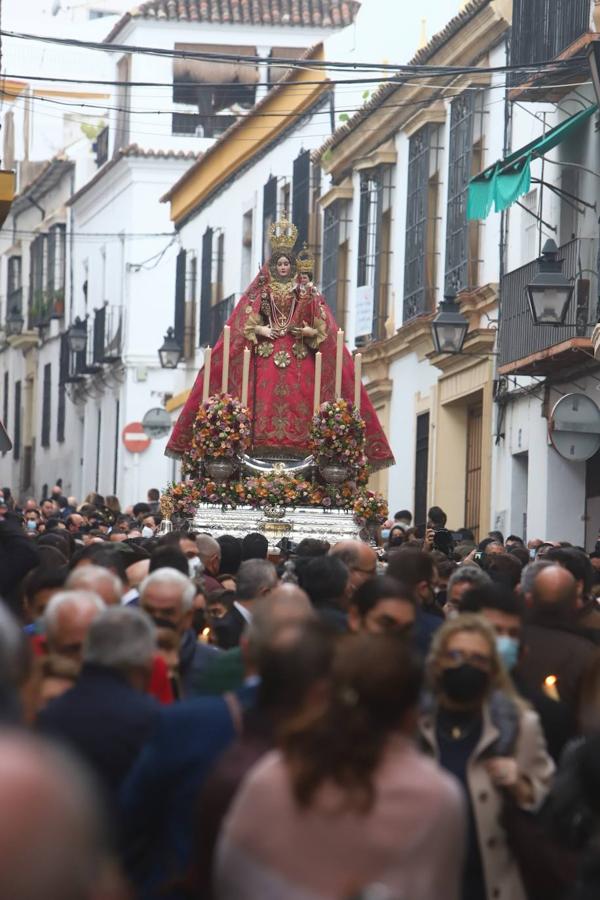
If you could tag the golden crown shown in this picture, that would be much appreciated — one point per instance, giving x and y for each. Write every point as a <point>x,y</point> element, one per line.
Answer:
<point>305,263</point>
<point>283,235</point>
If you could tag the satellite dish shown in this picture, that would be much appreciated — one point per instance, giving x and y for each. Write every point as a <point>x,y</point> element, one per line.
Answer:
<point>156,423</point>
<point>574,427</point>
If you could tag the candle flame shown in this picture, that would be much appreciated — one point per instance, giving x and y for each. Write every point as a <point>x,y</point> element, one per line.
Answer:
<point>550,680</point>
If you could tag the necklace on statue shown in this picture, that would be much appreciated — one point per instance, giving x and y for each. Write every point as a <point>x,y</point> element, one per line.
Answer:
<point>281,317</point>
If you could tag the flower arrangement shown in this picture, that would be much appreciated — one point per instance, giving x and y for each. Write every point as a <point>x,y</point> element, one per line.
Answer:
<point>370,507</point>
<point>337,434</point>
<point>182,498</point>
<point>221,429</point>
<point>276,490</point>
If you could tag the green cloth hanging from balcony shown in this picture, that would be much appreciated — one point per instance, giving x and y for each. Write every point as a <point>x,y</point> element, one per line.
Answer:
<point>502,184</point>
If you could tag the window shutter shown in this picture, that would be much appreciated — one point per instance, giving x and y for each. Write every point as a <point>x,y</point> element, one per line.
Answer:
<point>331,242</point>
<point>99,334</point>
<point>269,213</point>
<point>63,375</point>
<point>5,402</point>
<point>301,197</point>
<point>17,428</point>
<point>46,405</point>
<point>206,287</point>
<point>180,298</point>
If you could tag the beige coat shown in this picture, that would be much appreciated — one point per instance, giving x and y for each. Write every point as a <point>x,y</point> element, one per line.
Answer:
<point>502,877</point>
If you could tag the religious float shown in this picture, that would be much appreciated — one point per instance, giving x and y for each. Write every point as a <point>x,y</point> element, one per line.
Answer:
<point>278,434</point>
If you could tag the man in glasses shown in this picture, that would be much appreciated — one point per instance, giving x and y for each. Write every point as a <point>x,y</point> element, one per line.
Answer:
<point>360,558</point>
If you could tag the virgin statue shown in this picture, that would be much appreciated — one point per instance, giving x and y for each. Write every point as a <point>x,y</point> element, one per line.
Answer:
<point>284,320</point>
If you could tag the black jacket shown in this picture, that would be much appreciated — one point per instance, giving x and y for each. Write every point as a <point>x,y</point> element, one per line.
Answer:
<point>18,555</point>
<point>104,720</point>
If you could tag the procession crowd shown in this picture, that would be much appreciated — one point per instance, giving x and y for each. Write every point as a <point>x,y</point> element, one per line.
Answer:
<point>185,716</point>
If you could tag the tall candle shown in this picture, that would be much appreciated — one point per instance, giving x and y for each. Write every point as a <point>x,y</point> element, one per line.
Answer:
<point>339,356</point>
<point>245,376</point>
<point>226,339</point>
<point>317,398</point>
<point>206,382</point>
<point>357,379</point>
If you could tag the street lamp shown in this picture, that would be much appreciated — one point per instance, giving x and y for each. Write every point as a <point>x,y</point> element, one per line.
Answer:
<point>449,327</point>
<point>77,336</point>
<point>550,292</point>
<point>14,322</point>
<point>170,353</point>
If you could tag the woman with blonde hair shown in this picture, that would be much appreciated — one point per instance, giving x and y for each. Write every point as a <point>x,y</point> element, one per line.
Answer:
<point>482,732</point>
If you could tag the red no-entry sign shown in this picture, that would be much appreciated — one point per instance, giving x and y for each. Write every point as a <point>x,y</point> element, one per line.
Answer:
<point>134,438</point>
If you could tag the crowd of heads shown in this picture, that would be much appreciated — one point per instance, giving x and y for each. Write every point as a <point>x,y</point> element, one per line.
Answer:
<point>342,644</point>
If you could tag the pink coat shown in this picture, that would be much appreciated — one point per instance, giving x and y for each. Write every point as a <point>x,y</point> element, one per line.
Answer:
<point>411,841</point>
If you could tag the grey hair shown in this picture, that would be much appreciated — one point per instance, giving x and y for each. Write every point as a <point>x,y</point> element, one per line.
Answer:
<point>79,599</point>
<point>207,547</point>
<point>531,572</point>
<point>255,576</point>
<point>122,637</point>
<point>87,577</point>
<point>472,575</point>
<point>171,576</point>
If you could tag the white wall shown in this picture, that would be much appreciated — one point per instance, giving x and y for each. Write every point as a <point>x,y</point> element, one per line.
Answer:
<point>127,200</point>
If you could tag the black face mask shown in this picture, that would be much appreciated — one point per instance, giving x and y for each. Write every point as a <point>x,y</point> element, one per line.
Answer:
<point>464,683</point>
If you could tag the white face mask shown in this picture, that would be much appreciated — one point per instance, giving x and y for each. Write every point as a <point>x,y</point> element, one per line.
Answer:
<point>195,566</point>
<point>147,532</point>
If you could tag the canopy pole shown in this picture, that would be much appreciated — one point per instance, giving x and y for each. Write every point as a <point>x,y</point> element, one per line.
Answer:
<point>537,218</point>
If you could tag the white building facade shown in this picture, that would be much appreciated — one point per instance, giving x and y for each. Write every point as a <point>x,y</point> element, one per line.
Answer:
<point>121,253</point>
<point>537,491</point>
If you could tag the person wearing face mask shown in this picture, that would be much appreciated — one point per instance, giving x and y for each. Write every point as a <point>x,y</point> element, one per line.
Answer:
<point>396,537</point>
<point>482,732</point>
<point>505,613</point>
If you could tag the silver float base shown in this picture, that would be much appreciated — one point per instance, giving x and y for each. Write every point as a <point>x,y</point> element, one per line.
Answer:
<point>296,524</point>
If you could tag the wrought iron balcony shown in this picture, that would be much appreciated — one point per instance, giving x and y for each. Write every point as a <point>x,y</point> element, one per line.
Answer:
<point>541,29</point>
<point>219,313</point>
<point>107,335</point>
<point>526,348</point>
<point>14,299</point>
<point>45,305</point>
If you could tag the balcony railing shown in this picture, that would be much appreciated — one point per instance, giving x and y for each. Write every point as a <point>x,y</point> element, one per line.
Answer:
<point>107,335</point>
<point>46,305</point>
<point>14,300</point>
<point>541,29</point>
<point>518,337</point>
<point>219,314</point>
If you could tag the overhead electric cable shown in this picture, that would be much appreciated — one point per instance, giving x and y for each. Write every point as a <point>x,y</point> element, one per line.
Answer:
<point>403,70</point>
